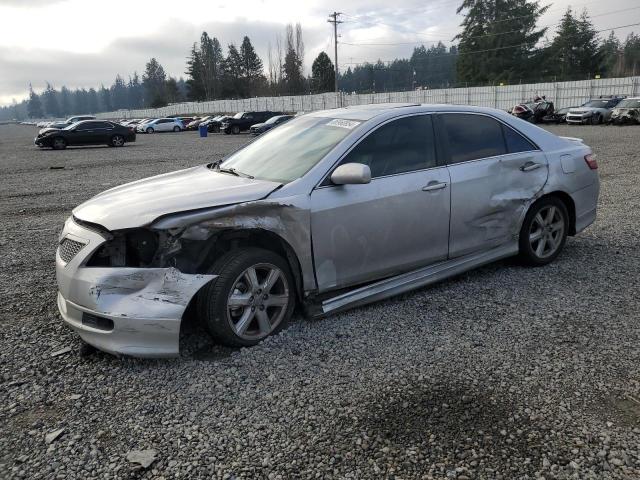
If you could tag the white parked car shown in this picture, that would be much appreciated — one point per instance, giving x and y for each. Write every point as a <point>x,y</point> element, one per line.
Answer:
<point>161,125</point>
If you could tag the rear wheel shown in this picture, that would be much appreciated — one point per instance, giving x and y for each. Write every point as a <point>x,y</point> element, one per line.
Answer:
<point>176,128</point>
<point>252,298</point>
<point>117,141</point>
<point>544,232</point>
<point>59,143</point>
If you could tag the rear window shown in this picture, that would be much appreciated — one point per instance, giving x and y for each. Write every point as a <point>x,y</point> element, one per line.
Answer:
<point>471,137</point>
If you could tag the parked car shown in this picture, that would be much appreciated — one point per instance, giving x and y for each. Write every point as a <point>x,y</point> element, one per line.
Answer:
<point>242,121</point>
<point>214,124</point>
<point>56,124</point>
<point>193,125</point>
<point>594,111</point>
<point>260,128</point>
<point>161,125</point>
<point>559,116</point>
<point>86,132</point>
<point>331,210</point>
<point>79,118</point>
<point>534,111</point>
<point>627,112</point>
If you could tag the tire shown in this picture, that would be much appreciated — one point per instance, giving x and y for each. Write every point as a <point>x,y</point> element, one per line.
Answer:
<point>176,128</point>
<point>227,131</point>
<point>117,141</point>
<point>255,317</point>
<point>542,237</point>
<point>235,130</point>
<point>596,119</point>
<point>58,143</point>
<point>150,130</point>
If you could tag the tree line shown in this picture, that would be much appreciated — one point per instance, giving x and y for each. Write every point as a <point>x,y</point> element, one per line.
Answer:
<point>500,43</point>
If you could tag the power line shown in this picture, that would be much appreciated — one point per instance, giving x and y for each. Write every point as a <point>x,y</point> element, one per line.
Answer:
<point>485,35</point>
<point>473,52</point>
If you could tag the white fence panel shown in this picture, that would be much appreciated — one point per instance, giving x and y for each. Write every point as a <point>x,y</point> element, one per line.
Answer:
<point>563,94</point>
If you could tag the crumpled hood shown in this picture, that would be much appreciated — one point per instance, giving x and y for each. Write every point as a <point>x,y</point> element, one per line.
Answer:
<point>139,203</point>
<point>46,130</point>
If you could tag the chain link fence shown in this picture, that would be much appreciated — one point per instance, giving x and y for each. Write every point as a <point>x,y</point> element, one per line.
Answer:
<point>563,94</point>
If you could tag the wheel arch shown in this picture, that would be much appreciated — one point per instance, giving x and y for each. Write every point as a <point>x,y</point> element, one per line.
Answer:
<point>568,202</point>
<point>230,239</point>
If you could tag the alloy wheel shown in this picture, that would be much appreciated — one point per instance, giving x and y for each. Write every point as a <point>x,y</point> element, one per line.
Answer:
<point>258,301</point>
<point>547,231</point>
<point>117,141</point>
<point>59,143</point>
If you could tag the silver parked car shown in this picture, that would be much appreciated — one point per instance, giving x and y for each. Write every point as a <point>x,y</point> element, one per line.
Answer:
<point>595,111</point>
<point>331,210</point>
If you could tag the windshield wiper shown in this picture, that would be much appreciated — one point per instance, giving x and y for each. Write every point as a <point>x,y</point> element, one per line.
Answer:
<point>216,166</point>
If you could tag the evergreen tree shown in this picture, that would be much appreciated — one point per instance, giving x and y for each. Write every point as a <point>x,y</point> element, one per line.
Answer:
<point>66,106</point>
<point>51,106</point>
<point>105,100</point>
<point>195,74</point>
<point>80,101</point>
<point>92,101</point>
<point>172,93</point>
<point>34,107</point>
<point>631,55</point>
<point>252,69</point>
<point>233,73</point>
<point>574,53</point>
<point>498,40</point>
<point>610,54</point>
<point>154,80</point>
<point>134,92</point>
<point>292,67</point>
<point>119,94</point>
<point>322,74</point>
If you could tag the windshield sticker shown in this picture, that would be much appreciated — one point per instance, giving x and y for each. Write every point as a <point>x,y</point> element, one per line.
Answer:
<point>349,124</point>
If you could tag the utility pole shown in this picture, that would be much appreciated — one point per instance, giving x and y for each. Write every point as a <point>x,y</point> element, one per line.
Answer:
<point>333,18</point>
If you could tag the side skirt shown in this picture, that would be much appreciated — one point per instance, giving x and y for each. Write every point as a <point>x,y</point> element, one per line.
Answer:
<point>418,278</point>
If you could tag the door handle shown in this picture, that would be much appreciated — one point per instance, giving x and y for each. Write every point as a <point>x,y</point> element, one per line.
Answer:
<point>431,186</point>
<point>527,167</point>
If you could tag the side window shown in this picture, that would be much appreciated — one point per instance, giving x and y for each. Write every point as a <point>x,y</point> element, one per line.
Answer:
<point>402,145</point>
<point>471,137</point>
<point>102,125</point>
<point>516,142</point>
<point>86,126</point>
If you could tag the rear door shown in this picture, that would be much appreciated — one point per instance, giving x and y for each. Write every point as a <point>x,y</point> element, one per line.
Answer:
<point>397,222</point>
<point>495,174</point>
<point>84,134</point>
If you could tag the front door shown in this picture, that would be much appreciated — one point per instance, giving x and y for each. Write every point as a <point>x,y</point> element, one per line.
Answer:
<point>396,223</point>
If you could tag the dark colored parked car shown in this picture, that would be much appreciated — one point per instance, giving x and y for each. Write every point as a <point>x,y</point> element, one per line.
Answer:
<point>558,116</point>
<point>242,121</point>
<point>214,124</point>
<point>88,132</point>
<point>259,128</point>
<point>533,112</point>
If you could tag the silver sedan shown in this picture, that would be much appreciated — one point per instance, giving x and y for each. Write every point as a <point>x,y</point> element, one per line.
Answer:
<point>331,210</point>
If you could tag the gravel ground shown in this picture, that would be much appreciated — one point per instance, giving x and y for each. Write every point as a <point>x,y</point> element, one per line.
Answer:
<point>502,373</point>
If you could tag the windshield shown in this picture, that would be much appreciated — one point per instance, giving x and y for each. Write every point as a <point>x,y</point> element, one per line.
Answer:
<point>629,103</point>
<point>596,103</point>
<point>288,152</point>
<point>238,115</point>
<point>73,125</point>
<point>273,119</point>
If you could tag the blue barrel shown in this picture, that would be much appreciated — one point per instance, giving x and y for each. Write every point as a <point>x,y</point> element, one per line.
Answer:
<point>203,130</point>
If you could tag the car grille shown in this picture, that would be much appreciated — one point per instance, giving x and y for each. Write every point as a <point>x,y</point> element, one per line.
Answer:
<point>69,248</point>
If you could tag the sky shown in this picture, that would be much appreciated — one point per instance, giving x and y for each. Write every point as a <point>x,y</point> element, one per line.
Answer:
<point>85,43</point>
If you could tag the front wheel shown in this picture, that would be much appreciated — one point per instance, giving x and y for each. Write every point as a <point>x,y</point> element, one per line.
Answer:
<point>544,232</point>
<point>235,129</point>
<point>596,119</point>
<point>117,141</point>
<point>59,143</point>
<point>252,298</point>
<point>150,130</point>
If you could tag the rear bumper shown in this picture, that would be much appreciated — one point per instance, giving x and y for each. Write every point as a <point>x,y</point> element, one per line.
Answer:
<point>142,307</point>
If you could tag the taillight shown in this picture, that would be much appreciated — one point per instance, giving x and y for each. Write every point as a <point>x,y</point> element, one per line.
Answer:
<point>591,161</point>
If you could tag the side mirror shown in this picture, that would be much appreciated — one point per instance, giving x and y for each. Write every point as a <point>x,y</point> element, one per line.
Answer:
<point>351,174</point>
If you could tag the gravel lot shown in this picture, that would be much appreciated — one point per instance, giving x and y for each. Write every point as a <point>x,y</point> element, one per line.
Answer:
<point>502,373</point>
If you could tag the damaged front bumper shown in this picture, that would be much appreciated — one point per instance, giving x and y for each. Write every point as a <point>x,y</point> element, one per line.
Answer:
<point>130,311</point>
